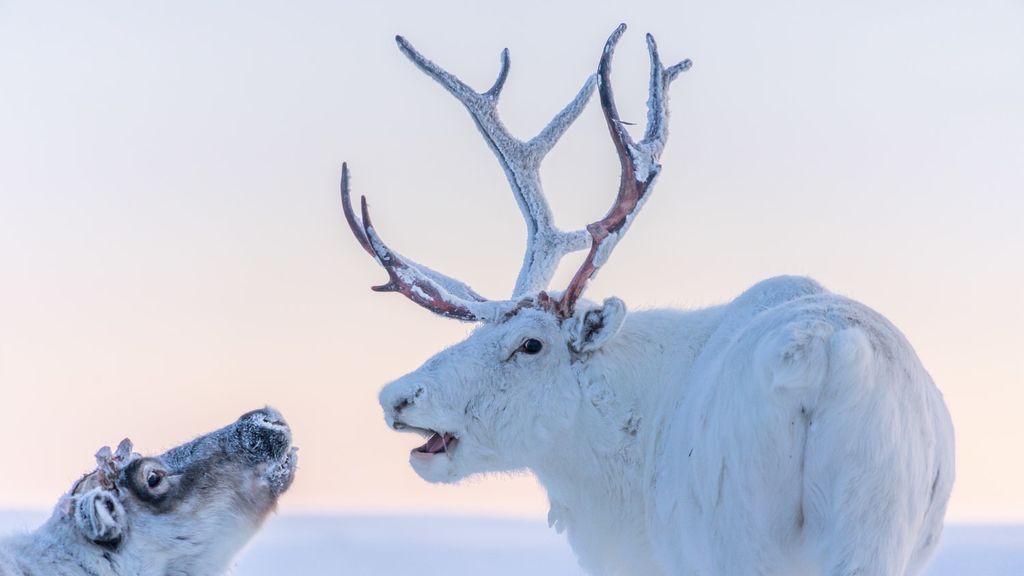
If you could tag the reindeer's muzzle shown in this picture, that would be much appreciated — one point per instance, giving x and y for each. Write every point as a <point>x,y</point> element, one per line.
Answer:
<point>263,435</point>
<point>266,441</point>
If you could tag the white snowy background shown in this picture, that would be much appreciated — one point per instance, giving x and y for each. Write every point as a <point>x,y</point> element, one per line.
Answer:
<point>172,251</point>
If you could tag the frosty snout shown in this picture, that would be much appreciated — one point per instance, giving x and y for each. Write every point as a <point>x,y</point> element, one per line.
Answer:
<point>263,435</point>
<point>398,399</point>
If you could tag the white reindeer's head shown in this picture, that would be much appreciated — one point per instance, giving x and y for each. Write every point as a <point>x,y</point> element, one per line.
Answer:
<point>190,509</point>
<point>495,401</point>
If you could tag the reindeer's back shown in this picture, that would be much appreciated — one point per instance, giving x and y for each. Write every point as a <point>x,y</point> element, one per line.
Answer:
<point>807,421</point>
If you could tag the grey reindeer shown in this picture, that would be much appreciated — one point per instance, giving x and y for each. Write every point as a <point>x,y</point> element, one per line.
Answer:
<point>187,511</point>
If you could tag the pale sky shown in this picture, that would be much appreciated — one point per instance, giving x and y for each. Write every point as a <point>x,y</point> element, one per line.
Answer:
<point>173,253</point>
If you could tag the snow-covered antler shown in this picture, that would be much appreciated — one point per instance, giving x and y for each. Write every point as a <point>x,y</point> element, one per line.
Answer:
<point>545,243</point>
<point>639,160</point>
<point>521,160</point>
<point>434,291</point>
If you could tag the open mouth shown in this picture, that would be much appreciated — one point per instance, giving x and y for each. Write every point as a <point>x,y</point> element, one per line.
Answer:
<point>438,443</point>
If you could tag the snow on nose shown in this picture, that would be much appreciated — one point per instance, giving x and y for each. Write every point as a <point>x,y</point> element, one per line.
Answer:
<point>397,398</point>
<point>264,434</point>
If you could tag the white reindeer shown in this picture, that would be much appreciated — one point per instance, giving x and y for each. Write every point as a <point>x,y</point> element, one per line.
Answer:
<point>186,512</point>
<point>790,431</point>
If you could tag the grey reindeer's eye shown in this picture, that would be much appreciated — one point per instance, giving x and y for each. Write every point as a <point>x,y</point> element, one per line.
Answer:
<point>531,346</point>
<point>150,479</point>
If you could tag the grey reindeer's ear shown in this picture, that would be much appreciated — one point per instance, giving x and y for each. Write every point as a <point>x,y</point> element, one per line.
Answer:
<point>591,328</point>
<point>100,517</point>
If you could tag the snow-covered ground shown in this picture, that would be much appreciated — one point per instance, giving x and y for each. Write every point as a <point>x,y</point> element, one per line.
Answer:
<point>390,545</point>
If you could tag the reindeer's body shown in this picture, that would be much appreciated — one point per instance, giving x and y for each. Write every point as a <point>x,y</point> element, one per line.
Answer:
<point>790,432</point>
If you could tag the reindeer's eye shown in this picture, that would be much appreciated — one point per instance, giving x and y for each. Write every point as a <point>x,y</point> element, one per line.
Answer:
<point>531,346</point>
<point>150,481</point>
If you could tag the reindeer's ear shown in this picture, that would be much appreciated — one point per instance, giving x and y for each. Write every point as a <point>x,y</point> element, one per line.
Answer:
<point>100,517</point>
<point>591,328</point>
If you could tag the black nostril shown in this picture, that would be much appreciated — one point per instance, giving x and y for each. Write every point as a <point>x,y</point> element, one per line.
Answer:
<point>399,425</point>
<point>402,405</point>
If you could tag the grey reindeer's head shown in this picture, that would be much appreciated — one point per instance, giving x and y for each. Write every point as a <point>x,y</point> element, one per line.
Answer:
<point>193,506</point>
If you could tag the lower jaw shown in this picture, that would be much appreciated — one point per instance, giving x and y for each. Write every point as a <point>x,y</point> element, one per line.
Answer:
<point>434,468</point>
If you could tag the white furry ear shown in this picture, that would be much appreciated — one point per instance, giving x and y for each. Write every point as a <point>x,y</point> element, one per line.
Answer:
<point>100,516</point>
<point>590,329</point>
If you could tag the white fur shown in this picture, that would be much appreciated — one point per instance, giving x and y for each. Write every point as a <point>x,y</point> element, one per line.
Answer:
<point>791,431</point>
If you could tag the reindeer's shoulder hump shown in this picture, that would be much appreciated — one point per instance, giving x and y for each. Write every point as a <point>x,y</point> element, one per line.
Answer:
<point>761,297</point>
<point>774,291</point>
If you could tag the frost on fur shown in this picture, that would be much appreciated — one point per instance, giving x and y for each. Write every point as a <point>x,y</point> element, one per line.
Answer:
<point>546,244</point>
<point>791,431</point>
<point>186,511</point>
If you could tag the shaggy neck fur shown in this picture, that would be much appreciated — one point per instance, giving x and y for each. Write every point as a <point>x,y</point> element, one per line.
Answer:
<point>595,475</point>
<point>57,548</point>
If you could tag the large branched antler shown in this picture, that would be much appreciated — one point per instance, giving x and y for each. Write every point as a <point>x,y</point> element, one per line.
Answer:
<point>546,243</point>
<point>639,161</point>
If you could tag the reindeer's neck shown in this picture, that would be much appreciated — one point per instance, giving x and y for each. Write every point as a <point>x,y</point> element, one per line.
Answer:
<point>594,475</point>
<point>54,548</point>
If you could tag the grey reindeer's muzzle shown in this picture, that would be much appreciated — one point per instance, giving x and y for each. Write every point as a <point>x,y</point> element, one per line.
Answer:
<point>259,439</point>
<point>263,435</point>
<point>265,438</point>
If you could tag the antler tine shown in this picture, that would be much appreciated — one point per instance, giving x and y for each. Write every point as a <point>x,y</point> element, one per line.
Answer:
<point>350,216</point>
<point>639,161</point>
<point>546,244</point>
<point>434,291</point>
<point>657,104</point>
